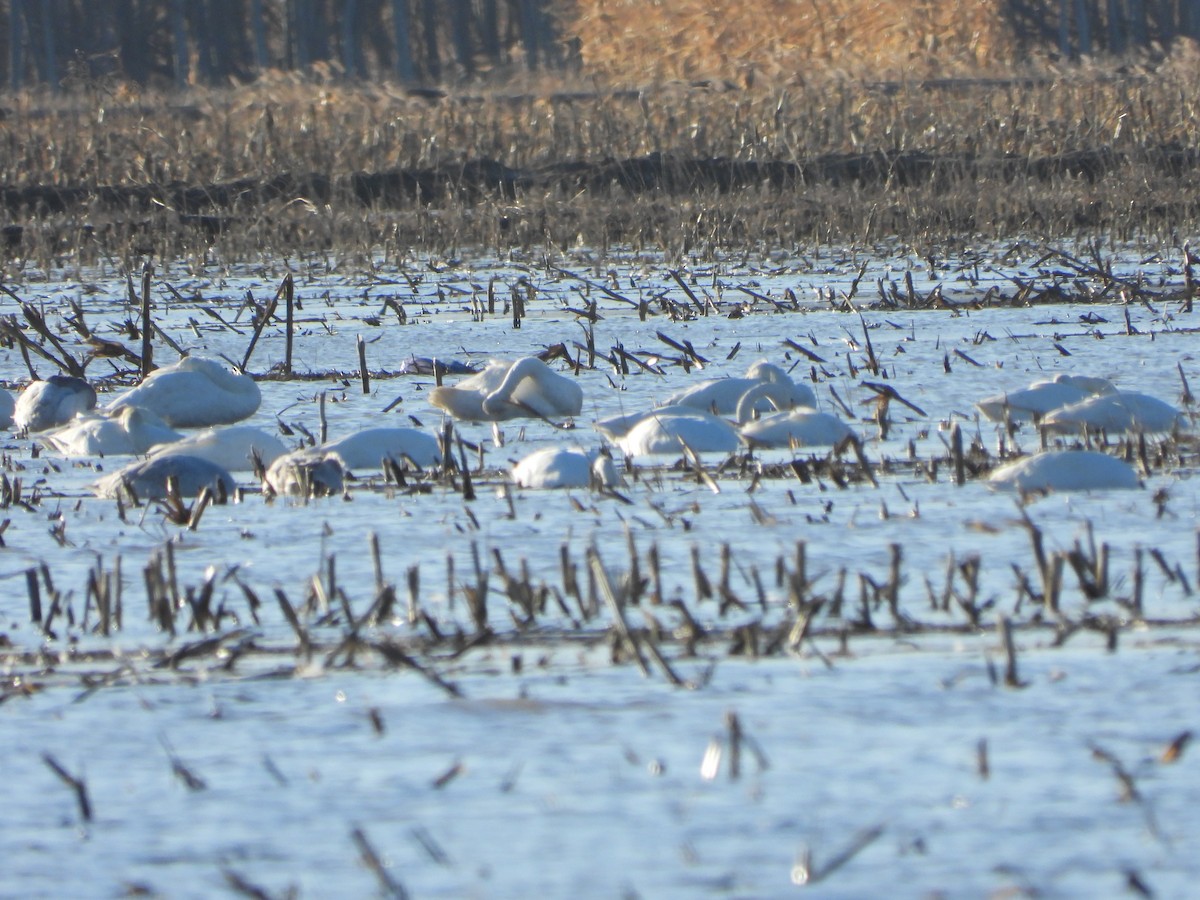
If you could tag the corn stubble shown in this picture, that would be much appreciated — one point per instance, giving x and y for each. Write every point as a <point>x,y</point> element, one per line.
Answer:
<point>791,145</point>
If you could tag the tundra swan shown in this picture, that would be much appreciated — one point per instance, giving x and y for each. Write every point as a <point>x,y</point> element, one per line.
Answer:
<point>130,431</point>
<point>791,426</point>
<point>659,433</point>
<point>55,401</point>
<point>1042,397</point>
<point>147,478</point>
<point>798,427</point>
<point>367,449</point>
<point>193,393</point>
<point>308,473</point>
<point>616,427</point>
<point>771,394</point>
<point>721,395</point>
<point>1064,470</point>
<point>1122,411</point>
<point>231,447</point>
<point>565,467</point>
<point>527,388</point>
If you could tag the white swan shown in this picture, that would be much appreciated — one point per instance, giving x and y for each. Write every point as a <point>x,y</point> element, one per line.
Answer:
<point>307,473</point>
<point>760,395</point>
<point>130,431</point>
<point>1064,470</point>
<point>1042,397</point>
<point>616,427</point>
<point>799,427</point>
<point>231,447</point>
<point>721,395</point>
<point>565,467</point>
<point>55,401</point>
<point>659,433</point>
<point>7,406</point>
<point>367,449</point>
<point>527,388</point>
<point>147,478</point>
<point>1122,411</point>
<point>193,393</point>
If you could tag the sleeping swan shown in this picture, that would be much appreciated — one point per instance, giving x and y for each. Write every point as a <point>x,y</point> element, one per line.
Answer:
<point>1064,470</point>
<point>565,467</point>
<point>722,395</point>
<point>527,388</point>
<point>55,401</point>
<point>1042,397</point>
<point>193,393</point>
<point>130,431</point>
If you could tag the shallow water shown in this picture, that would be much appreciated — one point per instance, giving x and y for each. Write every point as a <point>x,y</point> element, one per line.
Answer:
<point>606,791</point>
<point>583,778</point>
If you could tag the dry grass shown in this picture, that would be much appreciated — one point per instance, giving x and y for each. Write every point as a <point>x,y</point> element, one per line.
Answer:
<point>780,41</point>
<point>101,135</point>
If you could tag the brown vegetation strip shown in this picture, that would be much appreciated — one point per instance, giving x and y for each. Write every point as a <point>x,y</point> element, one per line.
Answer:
<point>652,172</point>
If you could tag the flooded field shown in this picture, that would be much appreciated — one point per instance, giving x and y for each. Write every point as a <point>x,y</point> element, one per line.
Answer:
<point>731,673</point>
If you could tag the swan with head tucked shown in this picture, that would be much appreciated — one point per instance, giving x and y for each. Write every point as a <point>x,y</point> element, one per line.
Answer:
<point>305,473</point>
<point>1064,470</point>
<point>55,401</point>
<point>232,447</point>
<point>565,467</point>
<point>147,478</point>
<point>1042,397</point>
<point>721,395</point>
<point>527,388</point>
<point>798,426</point>
<point>130,431</point>
<point>616,427</point>
<point>760,395</point>
<point>193,393</point>
<point>1122,411</point>
<point>368,448</point>
<point>659,433</point>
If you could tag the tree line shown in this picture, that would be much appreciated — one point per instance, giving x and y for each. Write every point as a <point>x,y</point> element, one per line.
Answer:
<point>183,42</point>
<point>1083,28</point>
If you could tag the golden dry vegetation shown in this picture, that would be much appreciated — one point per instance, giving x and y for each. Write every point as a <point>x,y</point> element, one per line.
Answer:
<point>844,155</point>
<point>628,41</point>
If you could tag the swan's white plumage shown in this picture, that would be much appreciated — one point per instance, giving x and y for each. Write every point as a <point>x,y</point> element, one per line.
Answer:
<point>616,427</point>
<point>1042,397</point>
<point>721,395</point>
<point>1122,411</point>
<point>130,431</point>
<point>52,402</point>
<point>565,467</point>
<point>368,448</point>
<point>799,427</point>
<point>1065,470</point>
<point>700,432</point>
<point>526,388</point>
<point>148,477</point>
<point>193,393</point>
<point>232,447</point>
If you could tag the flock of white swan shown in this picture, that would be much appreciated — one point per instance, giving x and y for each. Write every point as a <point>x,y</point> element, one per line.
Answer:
<point>765,409</point>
